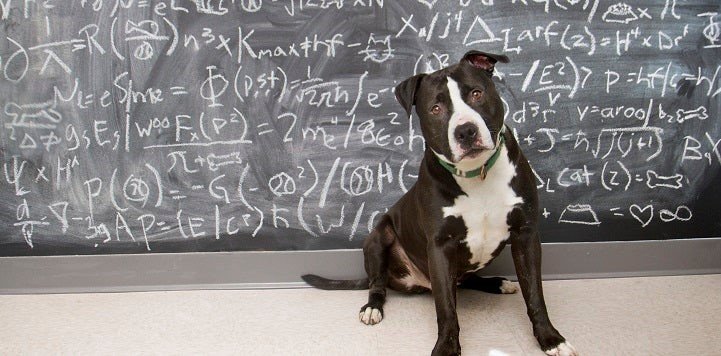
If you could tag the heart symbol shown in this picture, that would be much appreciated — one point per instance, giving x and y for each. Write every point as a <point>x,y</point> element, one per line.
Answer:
<point>639,215</point>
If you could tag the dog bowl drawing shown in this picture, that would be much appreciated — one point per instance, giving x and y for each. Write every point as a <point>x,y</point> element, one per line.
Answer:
<point>579,214</point>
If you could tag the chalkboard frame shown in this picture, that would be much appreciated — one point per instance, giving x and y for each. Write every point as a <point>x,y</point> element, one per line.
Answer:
<point>273,269</point>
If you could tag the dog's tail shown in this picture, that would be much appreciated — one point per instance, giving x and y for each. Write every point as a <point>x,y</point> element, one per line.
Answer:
<point>335,284</point>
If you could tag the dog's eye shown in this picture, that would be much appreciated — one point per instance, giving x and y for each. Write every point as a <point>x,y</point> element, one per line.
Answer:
<point>476,95</point>
<point>435,110</point>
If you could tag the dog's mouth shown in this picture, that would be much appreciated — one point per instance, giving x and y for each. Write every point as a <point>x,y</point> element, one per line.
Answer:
<point>473,152</point>
<point>478,147</point>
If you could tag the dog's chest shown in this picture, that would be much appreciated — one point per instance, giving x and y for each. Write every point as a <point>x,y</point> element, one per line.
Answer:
<point>484,209</point>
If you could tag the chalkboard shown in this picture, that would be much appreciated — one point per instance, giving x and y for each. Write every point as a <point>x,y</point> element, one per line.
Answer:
<point>140,126</point>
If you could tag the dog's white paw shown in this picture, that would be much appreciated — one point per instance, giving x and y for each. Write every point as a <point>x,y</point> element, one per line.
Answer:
<point>563,349</point>
<point>507,287</point>
<point>371,316</point>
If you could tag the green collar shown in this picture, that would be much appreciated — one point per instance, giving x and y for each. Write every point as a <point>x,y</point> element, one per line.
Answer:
<point>482,170</point>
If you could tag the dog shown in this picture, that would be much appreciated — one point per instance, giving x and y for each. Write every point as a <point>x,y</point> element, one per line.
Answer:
<point>475,192</point>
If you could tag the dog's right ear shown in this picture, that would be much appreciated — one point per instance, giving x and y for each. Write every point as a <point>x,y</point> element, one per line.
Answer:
<point>483,60</point>
<point>406,92</point>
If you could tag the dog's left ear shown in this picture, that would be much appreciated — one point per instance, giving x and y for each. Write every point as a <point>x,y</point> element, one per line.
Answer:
<point>406,92</point>
<point>483,60</point>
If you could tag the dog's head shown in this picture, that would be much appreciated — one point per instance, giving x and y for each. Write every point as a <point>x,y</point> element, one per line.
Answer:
<point>460,111</point>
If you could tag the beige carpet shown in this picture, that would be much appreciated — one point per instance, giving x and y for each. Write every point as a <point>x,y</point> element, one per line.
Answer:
<point>631,316</point>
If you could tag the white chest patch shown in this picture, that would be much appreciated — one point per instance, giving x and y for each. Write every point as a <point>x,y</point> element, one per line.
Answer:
<point>485,208</point>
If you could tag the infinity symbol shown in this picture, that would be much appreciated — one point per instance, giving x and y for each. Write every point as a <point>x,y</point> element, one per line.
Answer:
<point>667,216</point>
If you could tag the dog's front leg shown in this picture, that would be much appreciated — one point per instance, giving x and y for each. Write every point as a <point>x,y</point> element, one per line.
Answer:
<point>526,250</point>
<point>442,265</point>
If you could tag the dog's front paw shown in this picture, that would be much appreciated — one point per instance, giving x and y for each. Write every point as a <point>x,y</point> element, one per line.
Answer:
<point>370,315</point>
<point>447,347</point>
<point>563,349</point>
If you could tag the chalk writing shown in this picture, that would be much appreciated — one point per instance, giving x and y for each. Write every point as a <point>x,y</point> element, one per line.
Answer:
<point>167,125</point>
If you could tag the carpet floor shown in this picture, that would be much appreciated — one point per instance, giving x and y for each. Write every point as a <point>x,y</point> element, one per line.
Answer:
<point>624,316</point>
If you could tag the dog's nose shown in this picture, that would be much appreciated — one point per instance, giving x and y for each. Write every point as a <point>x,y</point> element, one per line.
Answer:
<point>466,133</point>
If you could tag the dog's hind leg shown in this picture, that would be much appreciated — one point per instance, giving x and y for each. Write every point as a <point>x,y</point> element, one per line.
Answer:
<point>495,285</point>
<point>375,253</point>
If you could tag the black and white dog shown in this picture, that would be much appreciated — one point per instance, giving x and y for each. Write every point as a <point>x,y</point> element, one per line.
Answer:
<point>475,192</point>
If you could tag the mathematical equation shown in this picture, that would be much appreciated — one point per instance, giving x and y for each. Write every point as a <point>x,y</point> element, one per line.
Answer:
<point>130,124</point>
